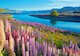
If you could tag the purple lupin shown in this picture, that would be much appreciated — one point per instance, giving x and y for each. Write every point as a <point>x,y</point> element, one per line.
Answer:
<point>32,45</point>
<point>49,50</point>
<point>44,49</point>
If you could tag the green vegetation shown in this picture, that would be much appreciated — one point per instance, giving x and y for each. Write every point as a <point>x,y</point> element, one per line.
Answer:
<point>54,13</point>
<point>3,10</point>
<point>6,16</point>
<point>59,38</point>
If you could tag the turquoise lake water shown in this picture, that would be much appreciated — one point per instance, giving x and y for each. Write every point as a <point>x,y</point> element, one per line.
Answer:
<point>70,26</point>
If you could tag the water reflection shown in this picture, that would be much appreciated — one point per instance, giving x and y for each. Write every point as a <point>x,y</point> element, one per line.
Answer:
<point>53,20</point>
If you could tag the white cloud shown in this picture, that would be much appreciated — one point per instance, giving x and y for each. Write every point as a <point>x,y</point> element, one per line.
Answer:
<point>63,3</point>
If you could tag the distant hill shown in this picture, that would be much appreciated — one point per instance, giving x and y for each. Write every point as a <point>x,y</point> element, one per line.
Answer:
<point>64,9</point>
<point>67,9</point>
<point>27,12</point>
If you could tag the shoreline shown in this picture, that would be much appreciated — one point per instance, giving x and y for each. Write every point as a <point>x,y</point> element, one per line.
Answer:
<point>43,25</point>
<point>52,29</point>
<point>59,18</point>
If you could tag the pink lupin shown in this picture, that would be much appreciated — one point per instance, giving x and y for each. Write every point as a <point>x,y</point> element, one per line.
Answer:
<point>7,29</point>
<point>8,25</point>
<point>18,43</point>
<point>24,34</point>
<point>10,38</point>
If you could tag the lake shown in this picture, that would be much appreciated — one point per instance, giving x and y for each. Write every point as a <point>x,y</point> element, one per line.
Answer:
<point>70,26</point>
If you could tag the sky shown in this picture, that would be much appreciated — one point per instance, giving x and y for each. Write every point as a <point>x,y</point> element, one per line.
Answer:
<point>37,4</point>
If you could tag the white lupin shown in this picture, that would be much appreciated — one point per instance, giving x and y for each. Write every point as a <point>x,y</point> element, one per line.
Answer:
<point>2,35</point>
<point>6,44</point>
<point>27,53</point>
<point>27,43</point>
<point>11,43</point>
<point>23,47</point>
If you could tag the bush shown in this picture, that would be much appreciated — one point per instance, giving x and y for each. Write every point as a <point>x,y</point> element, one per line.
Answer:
<point>54,13</point>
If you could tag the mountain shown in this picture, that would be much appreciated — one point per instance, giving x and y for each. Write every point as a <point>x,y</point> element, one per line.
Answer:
<point>64,9</point>
<point>67,9</point>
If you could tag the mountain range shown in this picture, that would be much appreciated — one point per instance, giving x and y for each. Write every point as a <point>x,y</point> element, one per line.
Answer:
<point>68,9</point>
<point>64,9</point>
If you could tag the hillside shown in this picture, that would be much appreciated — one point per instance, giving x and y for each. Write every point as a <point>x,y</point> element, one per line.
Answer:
<point>27,36</point>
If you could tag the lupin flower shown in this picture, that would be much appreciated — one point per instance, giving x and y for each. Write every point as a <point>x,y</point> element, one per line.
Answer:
<point>7,29</point>
<point>76,48</point>
<point>6,44</point>
<point>38,35</point>
<point>11,43</point>
<point>30,50</point>
<point>32,47</point>
<point>23,47</point>
<point>27,44</point>
<point>45,49</point>
<point>49,50</point>
<point>24,34</point>
<point>18,44</point>
<point>16,36</point>
<point>2,35</point>
<point>54,49</point>
<point>8,26</point>
<point>11,53</point>
<point>10,38</point>
<point>64,49</point>
<point>34,51</point>
<point>27,53</point>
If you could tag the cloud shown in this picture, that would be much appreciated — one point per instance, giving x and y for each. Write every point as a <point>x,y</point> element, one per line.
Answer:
<point>63,3</point>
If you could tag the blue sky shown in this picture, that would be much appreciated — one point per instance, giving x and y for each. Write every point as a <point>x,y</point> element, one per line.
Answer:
<point>37,4</point>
